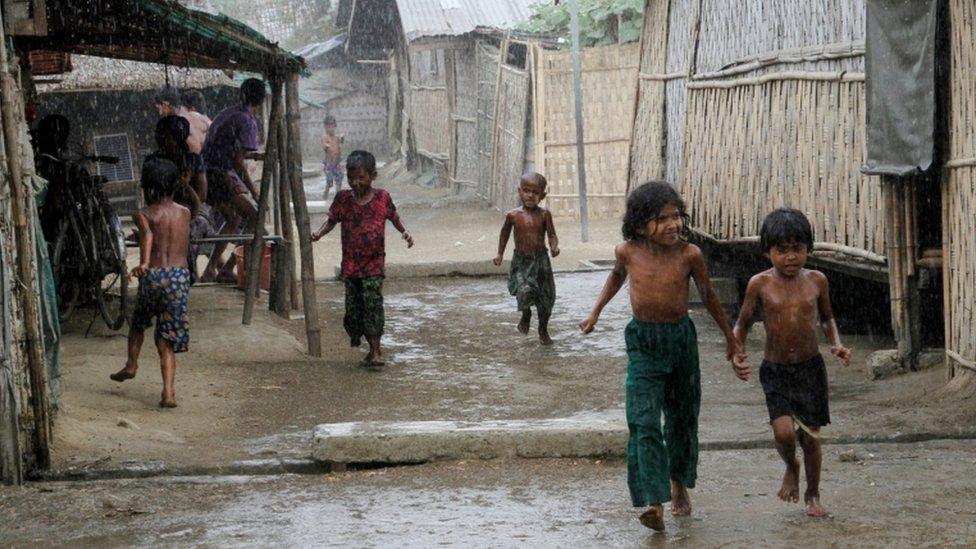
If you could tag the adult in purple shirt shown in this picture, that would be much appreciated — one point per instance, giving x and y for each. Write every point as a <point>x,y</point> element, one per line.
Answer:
<point>233,137</point>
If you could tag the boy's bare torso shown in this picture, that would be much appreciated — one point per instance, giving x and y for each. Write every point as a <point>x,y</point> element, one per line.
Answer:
<point>791,311</point>
<point>170,226</point>
<point>659,280</point>
<point>332,146</point>
<point>531,226</point>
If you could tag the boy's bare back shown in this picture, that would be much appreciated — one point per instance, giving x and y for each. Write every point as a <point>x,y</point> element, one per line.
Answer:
<point>659,278</point>
<point>793,307</point>
<point>169,225</point>
<point>531,225</point>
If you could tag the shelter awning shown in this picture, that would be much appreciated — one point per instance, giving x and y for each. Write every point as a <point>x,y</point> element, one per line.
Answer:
<point>159,31</point>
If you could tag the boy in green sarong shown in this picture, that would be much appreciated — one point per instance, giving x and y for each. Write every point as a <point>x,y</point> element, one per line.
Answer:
<point>662,349</point>
<point>530,279</point>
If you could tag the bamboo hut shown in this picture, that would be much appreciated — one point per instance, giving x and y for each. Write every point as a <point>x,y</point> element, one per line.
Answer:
<point>749,109</point>
<point>155,31</point>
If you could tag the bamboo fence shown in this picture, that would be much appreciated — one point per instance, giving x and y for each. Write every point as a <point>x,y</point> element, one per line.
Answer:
<point>464,117</point>
<point>487,58</point>
<point>429,107</point>
<point>509,134</point>
<point>959,194</point>
<point>609,82</point>
<point>757,107</point>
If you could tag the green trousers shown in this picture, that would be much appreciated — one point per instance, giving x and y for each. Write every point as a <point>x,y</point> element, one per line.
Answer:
<point>531,281</point>
<point>662,376</point>
<point>364,308</point>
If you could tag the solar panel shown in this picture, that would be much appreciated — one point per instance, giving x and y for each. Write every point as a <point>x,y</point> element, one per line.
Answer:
<point>117,145</point>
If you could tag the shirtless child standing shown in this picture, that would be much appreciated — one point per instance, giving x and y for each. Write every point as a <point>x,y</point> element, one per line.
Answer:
<point>530,279</point>
<point>332,148</point>
<point>164,279</point>
<point>794,300</point>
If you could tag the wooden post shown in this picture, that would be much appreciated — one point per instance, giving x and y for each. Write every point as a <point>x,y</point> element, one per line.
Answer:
<point>11,457</point>
<point>256,257</point>
<point>26,265</point>
<point>578,99</point>
<point>287,227</point>
<point>284,265</point>
<point>293,119</point>
<point>450,81</point>
<point>902,284</point>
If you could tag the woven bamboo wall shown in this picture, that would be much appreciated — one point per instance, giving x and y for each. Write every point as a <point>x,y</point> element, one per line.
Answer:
<point>487,58</point>
<point>609,96</point>
<point>959,192</point>
<point>751,148</point>
<point>465,117</point>
<point>763,106</point>
<point>511,116</point>
<point>427,95</point>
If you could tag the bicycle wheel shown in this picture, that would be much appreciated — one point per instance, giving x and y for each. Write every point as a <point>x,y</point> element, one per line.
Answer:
<point>70,264</point>
<point>111,288</point>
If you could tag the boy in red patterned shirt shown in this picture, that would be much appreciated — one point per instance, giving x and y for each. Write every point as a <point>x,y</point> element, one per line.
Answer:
<point>362,212</point>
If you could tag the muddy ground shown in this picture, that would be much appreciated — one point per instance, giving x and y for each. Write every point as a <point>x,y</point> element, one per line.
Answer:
<point>916,495</point>
<point>453,353</point>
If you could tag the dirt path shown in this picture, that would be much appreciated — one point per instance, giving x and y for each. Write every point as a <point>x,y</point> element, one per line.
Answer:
<point>882,496</point>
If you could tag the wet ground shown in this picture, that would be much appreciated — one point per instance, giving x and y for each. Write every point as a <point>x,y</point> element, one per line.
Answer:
<point>880,496</point>
<point>453,354</point>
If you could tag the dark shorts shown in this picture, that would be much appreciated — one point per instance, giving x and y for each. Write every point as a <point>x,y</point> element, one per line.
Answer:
<point>163,296</point>
<point>798,390</point>
<point>223,186</point>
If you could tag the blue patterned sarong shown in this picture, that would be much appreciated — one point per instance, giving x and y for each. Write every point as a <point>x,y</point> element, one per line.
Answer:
<point>163,295</point>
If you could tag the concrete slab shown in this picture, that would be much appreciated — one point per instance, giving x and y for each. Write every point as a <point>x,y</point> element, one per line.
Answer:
<point>422,441</point>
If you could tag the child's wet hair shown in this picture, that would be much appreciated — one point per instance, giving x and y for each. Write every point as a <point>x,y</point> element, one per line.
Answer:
<point>173,126</point>
<point>646,202</point>
<point>329,120</point>
<point>785,226</point>
<point>253,91</point>
<point>195,99</point>
<point>361,160</point>
<point>537,178</point>
<point>160,178</point>
<point>168,95</point>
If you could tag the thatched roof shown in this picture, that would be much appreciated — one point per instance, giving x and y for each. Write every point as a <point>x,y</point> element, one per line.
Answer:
<point>101,73</point>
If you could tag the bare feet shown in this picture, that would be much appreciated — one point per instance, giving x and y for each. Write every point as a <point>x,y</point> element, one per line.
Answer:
<point>544,336</point>
<point>128,372</point>
<point>374,359</point>
<point>167,401</point>
<point>680,501</point>
<point>790,491</point>
<point>653,518</point>
<point>814,508</point>
<point>523,325</point>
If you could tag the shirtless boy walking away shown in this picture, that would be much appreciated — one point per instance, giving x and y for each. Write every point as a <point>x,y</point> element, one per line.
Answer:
<point>530,278</point>
<point>164,279</point>
<point>332,148</point>
<point>362,213</point>
<point>793,376</point>
<point>662,349</point>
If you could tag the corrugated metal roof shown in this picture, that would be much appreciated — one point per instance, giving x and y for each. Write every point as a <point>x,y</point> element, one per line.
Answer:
<point>428,18</point>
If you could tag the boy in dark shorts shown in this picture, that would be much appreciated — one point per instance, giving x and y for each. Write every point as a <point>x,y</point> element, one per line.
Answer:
<point>362,212</point>
<point>794,301</point>
<point>530,278</point>
<point>663,374</point>
<point>332,149</point>
<point>164,279</point>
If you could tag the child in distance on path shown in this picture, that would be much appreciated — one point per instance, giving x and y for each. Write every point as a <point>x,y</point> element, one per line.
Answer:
<point>793,375</point>
<point>530,278</point>
<point>332,149</point>
<point>662,348</point>
<point>362,212</point>
<point>164,279</point>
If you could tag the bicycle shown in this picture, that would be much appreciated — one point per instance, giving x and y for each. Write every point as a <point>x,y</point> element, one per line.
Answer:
<point>89,252</point>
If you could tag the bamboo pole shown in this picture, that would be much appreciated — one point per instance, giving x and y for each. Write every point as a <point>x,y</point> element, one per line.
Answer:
<point>256,257</point>
<point>287,225</point>
<point>293,119</point>
<point>26,266</point>
<point>284,265</point>
<point>11,459</point>
<point>451,85</point>
<point>578,102</point>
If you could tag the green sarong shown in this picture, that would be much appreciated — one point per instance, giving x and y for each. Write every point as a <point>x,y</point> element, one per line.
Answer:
<point>364,308</point>
<point>530,280</point>
<point>662,376</point>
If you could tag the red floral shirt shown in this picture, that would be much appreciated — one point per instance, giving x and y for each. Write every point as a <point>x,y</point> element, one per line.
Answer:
<point>363,232</point>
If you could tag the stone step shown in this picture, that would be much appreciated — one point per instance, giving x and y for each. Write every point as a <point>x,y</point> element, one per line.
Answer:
<point>422,441</point>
